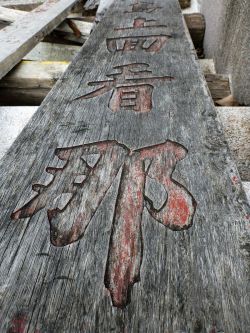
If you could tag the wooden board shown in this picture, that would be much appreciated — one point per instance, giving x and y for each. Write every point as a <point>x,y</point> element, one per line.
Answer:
<point>21,36</point>
<point>21,4</point>
<point>121,208</point>
<point>219,85</point>
<point>52,52</point>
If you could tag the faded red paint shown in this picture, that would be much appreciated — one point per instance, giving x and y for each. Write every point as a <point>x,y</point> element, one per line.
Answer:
<point>235,180</point>
<point>137,99</point>
<point>139,23</point>
<point>125,252</point>
<point>19,324</point>
<point>150,43</point>
<point>213,330</point>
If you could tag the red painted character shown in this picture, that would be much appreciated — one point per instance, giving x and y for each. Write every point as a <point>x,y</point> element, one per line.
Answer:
<point>142,40</point>
<point>85,179</point>
<point>132,88</point>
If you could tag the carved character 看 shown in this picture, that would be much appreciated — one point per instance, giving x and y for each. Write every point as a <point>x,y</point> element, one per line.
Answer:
<point>81,185</point>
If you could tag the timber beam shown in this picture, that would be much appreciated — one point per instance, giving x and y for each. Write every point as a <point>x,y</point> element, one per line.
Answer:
<point>121,207</point>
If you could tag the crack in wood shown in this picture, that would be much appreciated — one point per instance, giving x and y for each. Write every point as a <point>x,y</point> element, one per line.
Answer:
<point>125,255</point>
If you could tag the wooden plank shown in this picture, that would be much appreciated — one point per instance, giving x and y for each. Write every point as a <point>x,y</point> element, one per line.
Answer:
<point>82,24</point>
<point>30,82</point>
<point>73,28</point>
<point>10,15</point>
<point>35,74</point>
<point>236,125</point>
<point>53,52</point>
<point>126,146</point>
<point>21,4</point>
<point>21,36</point>
<point>196,25</point>
<point>218,85</point>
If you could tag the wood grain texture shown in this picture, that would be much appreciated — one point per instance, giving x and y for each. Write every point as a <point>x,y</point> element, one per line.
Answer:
<point>193,279</point>
<point>21,36</point>
<point>9,15</point>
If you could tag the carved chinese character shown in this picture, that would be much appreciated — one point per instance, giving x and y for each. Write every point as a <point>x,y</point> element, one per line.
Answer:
<point>146,42</point>
<point>77,190</point>
<point>140,6</point>
<point>141,22</point>
<point>132,88</point>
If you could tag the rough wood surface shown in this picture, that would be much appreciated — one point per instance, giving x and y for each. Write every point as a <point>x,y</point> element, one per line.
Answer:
<point>236,125</point>
<point>21,4</point>
<point>9,15</point>
<point>121,208</point>
<point>21,36</point>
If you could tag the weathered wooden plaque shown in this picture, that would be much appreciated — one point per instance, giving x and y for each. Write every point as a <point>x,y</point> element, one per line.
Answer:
<point>121,209</point>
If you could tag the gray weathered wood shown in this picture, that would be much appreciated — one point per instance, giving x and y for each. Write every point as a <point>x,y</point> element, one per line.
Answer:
<point>52,52</point>
<point>21,36</point>
<point>21,4</point>
<point>74,28</point>
<point>188,275</point>
<point>10,15</point>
